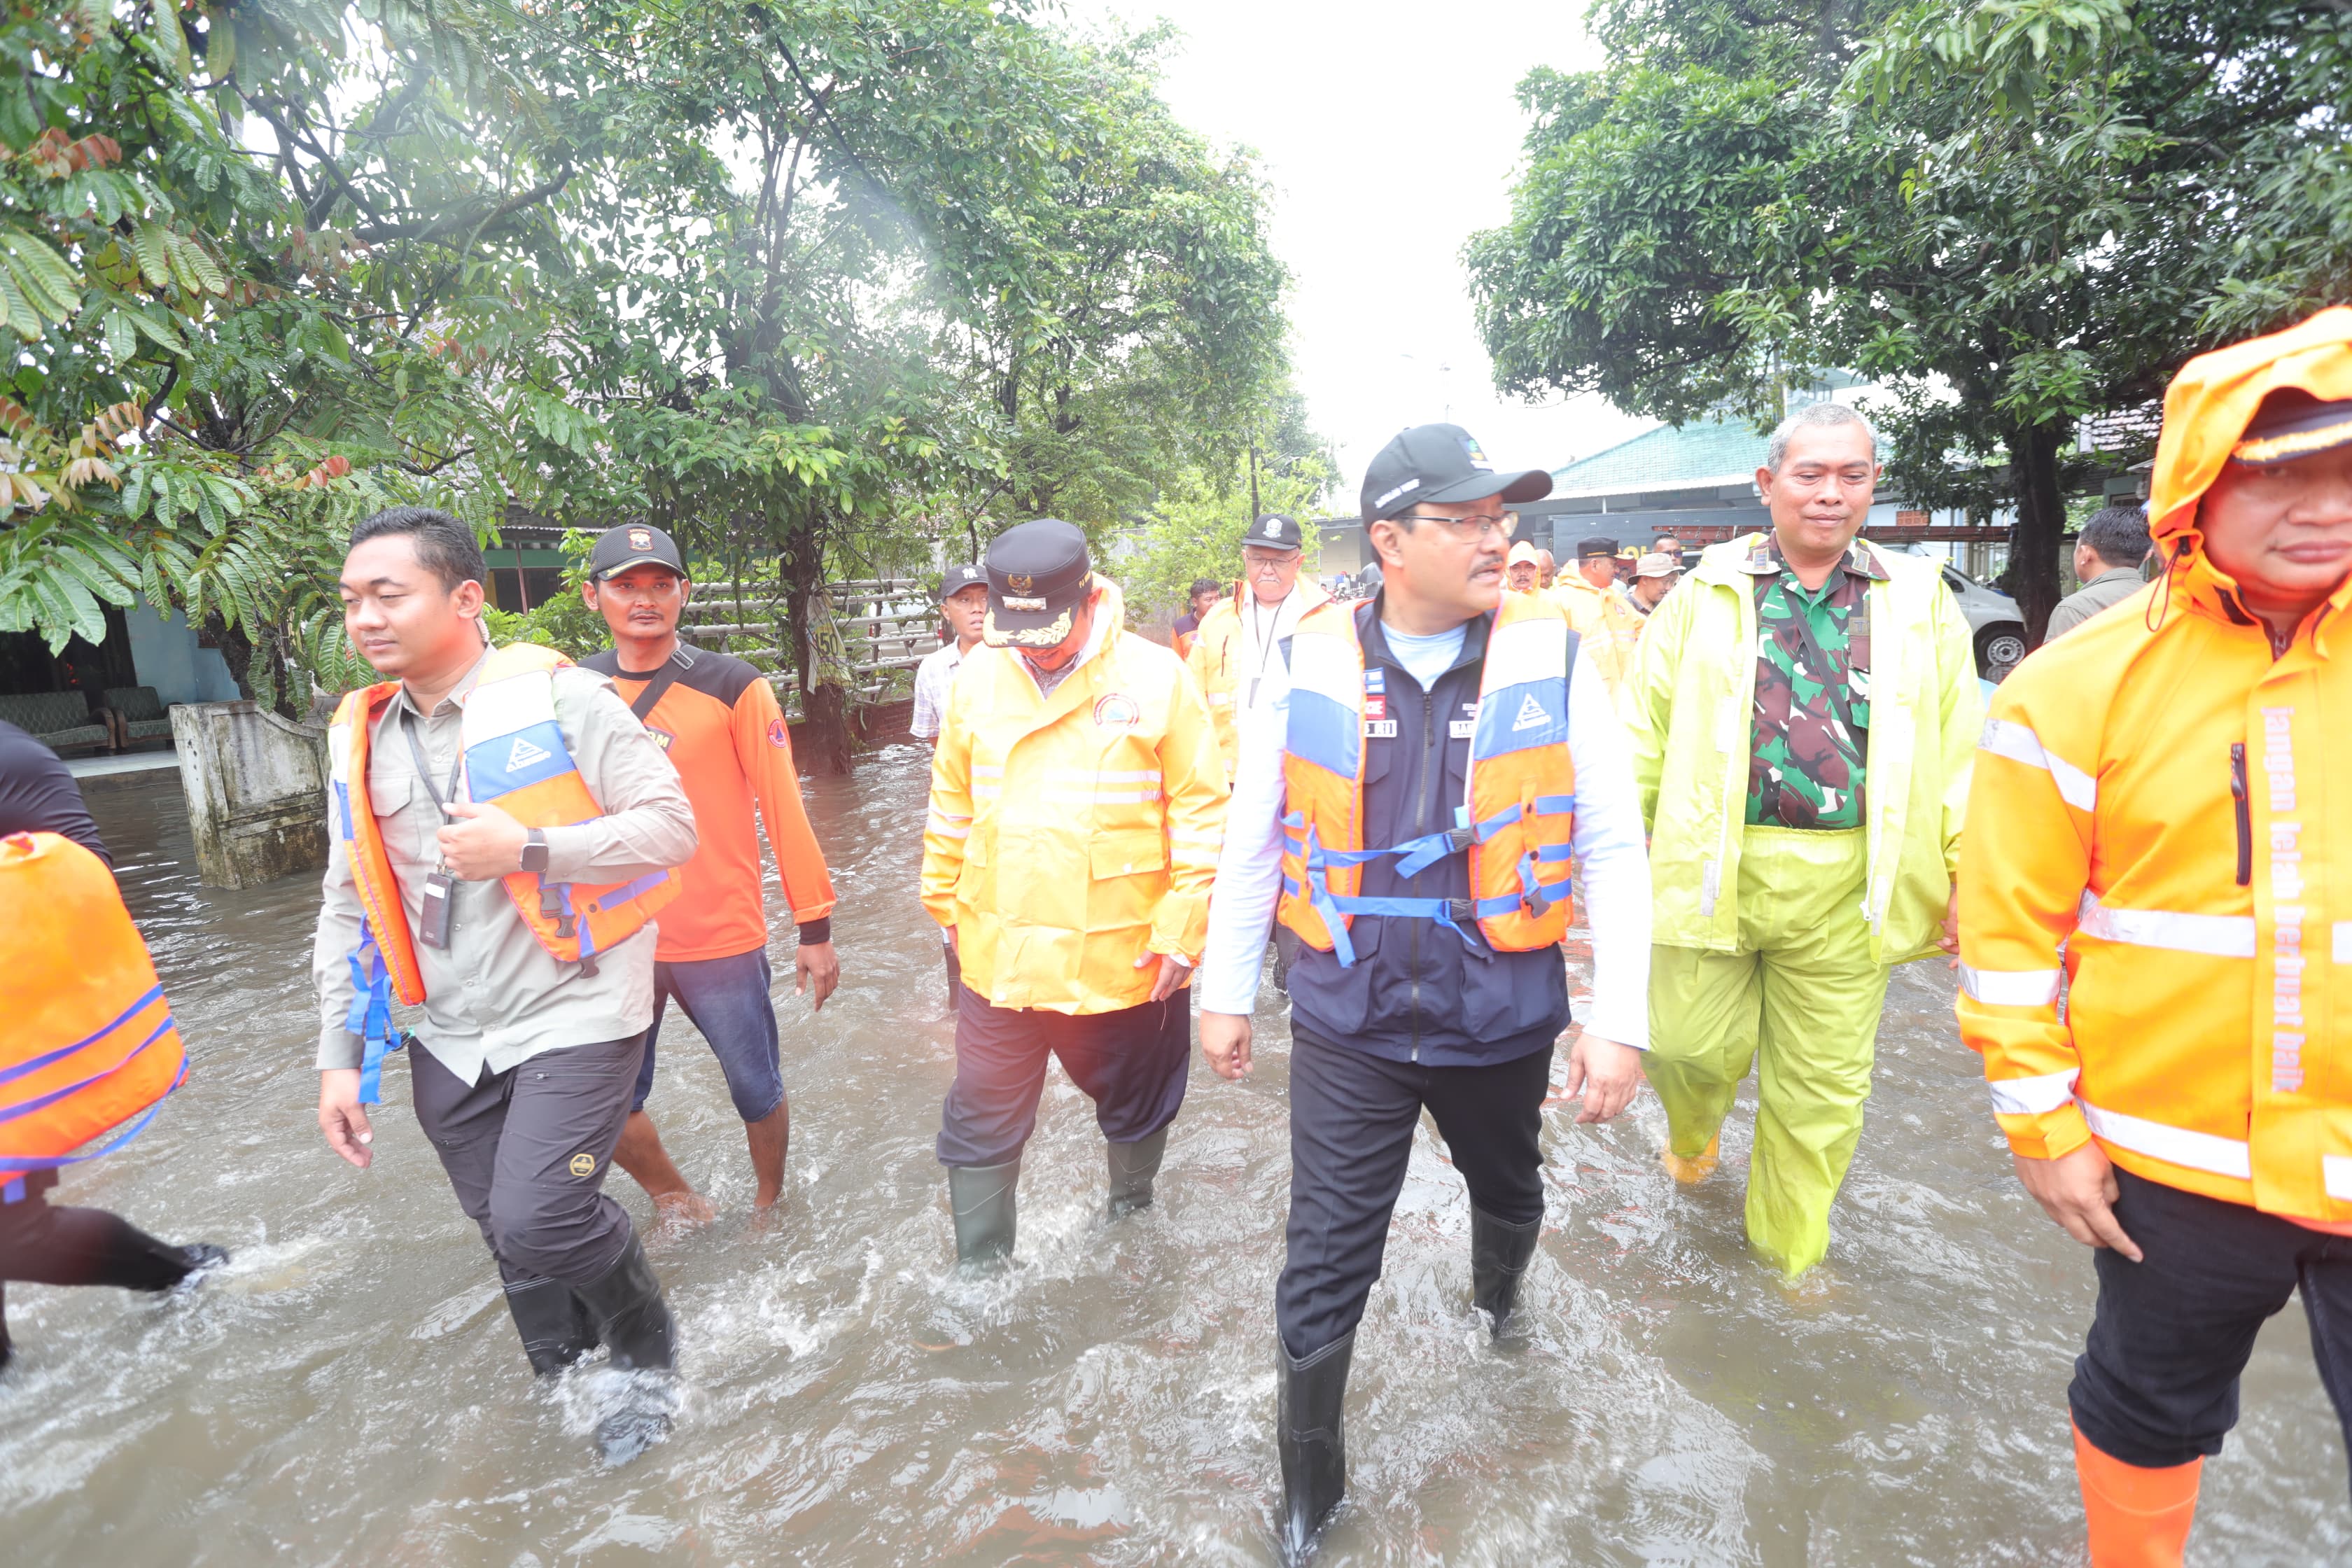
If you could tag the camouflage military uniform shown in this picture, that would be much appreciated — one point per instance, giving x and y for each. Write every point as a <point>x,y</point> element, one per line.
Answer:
<point>1810,731</point>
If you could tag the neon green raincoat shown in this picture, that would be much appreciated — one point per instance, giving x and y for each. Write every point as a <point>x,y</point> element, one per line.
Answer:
<point>1776,943</point>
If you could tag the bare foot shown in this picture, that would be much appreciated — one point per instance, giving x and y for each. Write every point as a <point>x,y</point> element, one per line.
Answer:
<point>683,1210</point>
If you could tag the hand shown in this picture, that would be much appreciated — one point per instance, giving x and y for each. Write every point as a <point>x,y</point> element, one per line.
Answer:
<point>1606,1072</point>
<point>1173,972</point>
<point>343,1117</point>
<point>813,965</point>
<point>1951,941</point>
<point>2079,1192</point>
<point>1226,1044</point>
<point>484,845</point>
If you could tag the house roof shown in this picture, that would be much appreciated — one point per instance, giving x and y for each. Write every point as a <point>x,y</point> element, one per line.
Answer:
<point>1704,451</point>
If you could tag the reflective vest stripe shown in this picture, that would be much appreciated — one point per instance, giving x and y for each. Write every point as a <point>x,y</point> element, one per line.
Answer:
<point>2032,1096</point>
<point>2219,936</point>
<point>2335,1175</point>
<point>2008,738</point>
<point>2174,1145</point>
<point>2342,930</point>
<point>2012,987</point>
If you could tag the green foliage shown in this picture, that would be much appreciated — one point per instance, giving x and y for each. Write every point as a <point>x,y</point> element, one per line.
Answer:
<point>1193,528</point>
<point>2012,213</point>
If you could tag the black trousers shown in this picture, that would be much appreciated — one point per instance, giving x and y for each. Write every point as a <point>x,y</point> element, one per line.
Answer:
<point>44,1244</point>
<point>955,975</point>
<point>1351,1120</point>
<point>1132,1063</point>
<point>527,1150</point>
<point>2156,1384</point>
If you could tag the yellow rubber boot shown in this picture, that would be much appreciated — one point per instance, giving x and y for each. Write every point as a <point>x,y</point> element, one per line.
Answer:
<point>2138,1518</point>
<point>1690,1172</point>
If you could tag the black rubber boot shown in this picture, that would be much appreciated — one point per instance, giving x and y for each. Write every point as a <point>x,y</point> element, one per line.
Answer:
<point>1498,1256</point>
<point>1133,1167</point>
<point>625,1304</point>
<point>982,1199</point>
<point>203,1257</point>
<point>1310,1433</point>
<point>553,1322</point>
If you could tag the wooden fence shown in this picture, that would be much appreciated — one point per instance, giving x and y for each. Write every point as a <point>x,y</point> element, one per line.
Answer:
<point>871,628</point>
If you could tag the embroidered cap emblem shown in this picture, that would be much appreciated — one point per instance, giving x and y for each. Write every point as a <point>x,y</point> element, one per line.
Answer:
<point>641,539</point>
<point>1019,583</point>
<point>1274,528</point>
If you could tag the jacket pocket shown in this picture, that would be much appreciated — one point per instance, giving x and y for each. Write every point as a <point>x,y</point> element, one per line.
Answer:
<point>976,882</point>
<point>1128,872</point>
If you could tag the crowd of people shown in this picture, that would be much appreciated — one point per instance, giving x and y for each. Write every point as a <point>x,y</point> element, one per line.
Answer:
<point>1762,779</point>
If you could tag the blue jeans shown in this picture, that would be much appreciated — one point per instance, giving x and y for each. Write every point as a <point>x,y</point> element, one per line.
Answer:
<point>727,999</point>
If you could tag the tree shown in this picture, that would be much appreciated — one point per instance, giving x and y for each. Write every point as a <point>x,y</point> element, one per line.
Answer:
<point>2014,214</point>
<point>1194,527</point>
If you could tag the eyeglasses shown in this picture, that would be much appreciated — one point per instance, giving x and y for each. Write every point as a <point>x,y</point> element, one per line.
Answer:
<point>1477,526</point>
<point>1260,559</point>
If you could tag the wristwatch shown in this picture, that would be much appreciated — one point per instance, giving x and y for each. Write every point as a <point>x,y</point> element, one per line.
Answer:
<point>534,851</point>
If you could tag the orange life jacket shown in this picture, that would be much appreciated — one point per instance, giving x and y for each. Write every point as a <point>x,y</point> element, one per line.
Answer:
<point>1518,819</point>
<point>515,758</point>
<point>89,1042</point>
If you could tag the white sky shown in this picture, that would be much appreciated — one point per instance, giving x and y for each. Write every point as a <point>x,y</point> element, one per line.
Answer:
<point>1389,133</point>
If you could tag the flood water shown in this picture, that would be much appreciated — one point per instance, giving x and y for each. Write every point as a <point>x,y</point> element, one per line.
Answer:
<point>350,1391</point>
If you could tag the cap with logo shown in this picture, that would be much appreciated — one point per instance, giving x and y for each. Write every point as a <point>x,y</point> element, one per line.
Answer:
<point>633,545</point>
<point>1275,531</point>
<point>1441,464</point>
<point>1657,564</point>
<point>1588,549</point>
<point>957,579</point>
<point>2290,424</point>
<point>1038,574</point>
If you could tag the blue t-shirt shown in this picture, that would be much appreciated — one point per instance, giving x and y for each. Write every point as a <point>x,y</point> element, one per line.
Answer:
<point>1425,658</point>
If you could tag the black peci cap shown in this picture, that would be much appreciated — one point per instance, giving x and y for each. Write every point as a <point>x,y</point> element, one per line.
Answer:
<point>957,579</point>
<point>1441,463</point>
<point>1595,547</point>
<point>1274,530</point>
<point>633,545</point>
<point>1038,574</point>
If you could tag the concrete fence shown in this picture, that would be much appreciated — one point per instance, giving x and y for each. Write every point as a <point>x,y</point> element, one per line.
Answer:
<point>257,789</point>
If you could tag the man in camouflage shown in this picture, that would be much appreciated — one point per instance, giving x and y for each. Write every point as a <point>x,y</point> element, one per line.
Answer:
<point>1774,932</point>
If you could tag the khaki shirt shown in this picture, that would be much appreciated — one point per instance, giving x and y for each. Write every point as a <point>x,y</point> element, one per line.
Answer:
<point>2104,592</point>
<point>494,997</point>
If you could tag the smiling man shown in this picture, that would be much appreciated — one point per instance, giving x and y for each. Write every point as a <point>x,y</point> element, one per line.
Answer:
<point>1797,862</point>
<point>2158,832</point>
<point>501,830</point>
<point>1412,806</point>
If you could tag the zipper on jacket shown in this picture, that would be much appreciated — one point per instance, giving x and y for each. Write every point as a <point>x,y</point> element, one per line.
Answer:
<point>1421,825</point>
<point>2244,813</point>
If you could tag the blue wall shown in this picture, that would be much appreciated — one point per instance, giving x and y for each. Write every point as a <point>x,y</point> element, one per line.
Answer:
<point>165,655</point>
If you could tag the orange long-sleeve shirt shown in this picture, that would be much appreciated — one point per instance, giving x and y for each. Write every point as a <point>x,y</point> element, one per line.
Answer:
<point>720,723</point>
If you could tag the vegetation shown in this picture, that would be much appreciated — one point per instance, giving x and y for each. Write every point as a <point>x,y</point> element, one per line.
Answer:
<point>811,287</point>
<point>2014,214</point>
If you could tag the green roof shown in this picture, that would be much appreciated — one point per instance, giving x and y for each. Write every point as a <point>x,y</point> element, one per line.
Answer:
<point>1665,457</point>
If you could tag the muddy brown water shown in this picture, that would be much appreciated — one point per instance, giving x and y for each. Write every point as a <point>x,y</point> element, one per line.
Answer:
<point>350,1391</point>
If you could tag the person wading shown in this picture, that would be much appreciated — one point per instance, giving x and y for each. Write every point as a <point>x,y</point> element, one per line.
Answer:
<point>1233,653</point>
<point>500,832</point>
<point>88,1046</point>
<point>963,601</point>
<point>1608,628</point>
<point>1443,752</point>
<point>716,719</point>
<point>1077,803</point>
<point>1794,870</point>
<point>2108,557</point>
<point>2158,835</point>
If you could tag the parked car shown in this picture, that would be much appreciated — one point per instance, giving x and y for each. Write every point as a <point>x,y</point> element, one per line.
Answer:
<point>1994,620</point>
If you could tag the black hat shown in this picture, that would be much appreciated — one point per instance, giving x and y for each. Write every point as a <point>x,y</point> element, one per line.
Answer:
<point>1275,531</point>
<point>957,579</point>
<point>1441,463</point>
<point>1588,549</point>
<point>633,545</point>
<point>1038,574</point>
<point>2290,423</point>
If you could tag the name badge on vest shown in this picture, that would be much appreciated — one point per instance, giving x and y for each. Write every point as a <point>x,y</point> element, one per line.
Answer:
<point>1466,726</point>
<point>1380,728</point>
<point>433,926</point>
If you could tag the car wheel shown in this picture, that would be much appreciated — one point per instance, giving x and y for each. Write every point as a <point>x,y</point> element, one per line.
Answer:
<point>1999,649</point>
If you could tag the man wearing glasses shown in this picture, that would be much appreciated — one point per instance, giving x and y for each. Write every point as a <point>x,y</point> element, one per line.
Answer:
<point>1232,654</point>
<point>1428,971</point>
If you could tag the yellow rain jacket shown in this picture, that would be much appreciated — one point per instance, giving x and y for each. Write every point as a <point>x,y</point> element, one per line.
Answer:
<point>1693,704</point>
<point>1220,653</point>
<point>1069,835</point>
<point>2155,842</point>
<point>1607,631</point>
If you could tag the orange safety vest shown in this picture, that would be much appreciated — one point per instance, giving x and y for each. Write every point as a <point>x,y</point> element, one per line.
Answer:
<point>89,1041</point>
<point>515,758</point>
<point>1517,819</point>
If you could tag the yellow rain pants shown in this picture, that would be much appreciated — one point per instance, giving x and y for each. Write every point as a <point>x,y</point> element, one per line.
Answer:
<point>1801,999</point>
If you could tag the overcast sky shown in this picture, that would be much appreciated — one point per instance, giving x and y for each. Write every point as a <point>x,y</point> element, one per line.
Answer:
<point>1391,133</point>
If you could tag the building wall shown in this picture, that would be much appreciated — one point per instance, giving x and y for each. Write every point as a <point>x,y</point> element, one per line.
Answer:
<point>165,655</point>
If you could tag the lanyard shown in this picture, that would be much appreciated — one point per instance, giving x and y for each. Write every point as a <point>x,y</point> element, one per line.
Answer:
<point>1264,642</point>
<point>424,769</point>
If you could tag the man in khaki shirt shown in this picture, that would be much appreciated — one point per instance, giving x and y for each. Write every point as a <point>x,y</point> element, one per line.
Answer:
<point>525,1063</point>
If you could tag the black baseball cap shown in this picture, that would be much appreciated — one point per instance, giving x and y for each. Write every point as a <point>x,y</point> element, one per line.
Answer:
<point>633,545</point>
<point>957,579</point>
<point>1587,550</point>
<point>1441,463</point>
<point>1274,531</point>
<point>1038,574</point>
